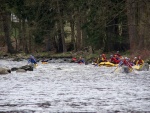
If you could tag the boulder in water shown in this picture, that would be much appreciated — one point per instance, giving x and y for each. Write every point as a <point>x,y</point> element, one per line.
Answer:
<point>14,69</point>
<point>20,70</point>
<point>4,70</point>
<point>23,68</point>
<point>27,67</point>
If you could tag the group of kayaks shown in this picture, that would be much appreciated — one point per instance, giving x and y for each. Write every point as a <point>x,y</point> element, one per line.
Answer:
<point>119,61</point>
<point>109,64</point>
<point>143,67</point>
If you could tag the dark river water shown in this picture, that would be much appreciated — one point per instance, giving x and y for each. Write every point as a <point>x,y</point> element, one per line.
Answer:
<point>70,87</point>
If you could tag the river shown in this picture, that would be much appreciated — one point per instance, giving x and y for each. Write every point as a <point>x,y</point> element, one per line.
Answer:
<point>71,87</point>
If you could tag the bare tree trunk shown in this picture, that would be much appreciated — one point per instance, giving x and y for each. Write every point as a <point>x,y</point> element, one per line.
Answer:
<point>29,37</point>
<point>79,33</point>
<point>30,41</point>
<point>25,45</point>
<point>141,24</point>
<point>61,27</point>
<point>72,33</point>
<point>6,25</point>
<point>147,26</point>
<point>59,39</point>
<point>49,41</point>
<point>84,34</point>
<point>16,39</point>
<point>132,24</point>
<point>20,35</point>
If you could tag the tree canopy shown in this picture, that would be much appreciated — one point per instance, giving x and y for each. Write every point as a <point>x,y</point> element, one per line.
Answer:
<point>65,25</point>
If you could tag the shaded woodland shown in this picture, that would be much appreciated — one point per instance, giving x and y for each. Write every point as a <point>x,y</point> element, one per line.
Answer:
<point>73,25</point>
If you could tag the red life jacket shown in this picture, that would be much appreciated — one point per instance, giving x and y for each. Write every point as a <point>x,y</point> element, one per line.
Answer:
<point>125,62</point>
<point>114,60</point>
<point>118,55</point>
<point>140,62</point>
<point>104,59</point>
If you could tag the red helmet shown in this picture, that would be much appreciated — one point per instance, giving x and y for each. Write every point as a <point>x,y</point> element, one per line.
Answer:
<point>139,57</point>
<point>103,54</point>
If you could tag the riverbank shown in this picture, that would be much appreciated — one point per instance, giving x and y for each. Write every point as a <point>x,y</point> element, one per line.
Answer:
<point>88,56</point>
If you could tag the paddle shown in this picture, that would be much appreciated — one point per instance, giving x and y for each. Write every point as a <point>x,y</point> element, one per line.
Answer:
<point>132,69</point>
<point>120,63</point>
<point>115,69</point>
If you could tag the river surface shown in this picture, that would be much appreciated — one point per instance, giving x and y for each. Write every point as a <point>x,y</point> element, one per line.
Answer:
<point>71,87</point>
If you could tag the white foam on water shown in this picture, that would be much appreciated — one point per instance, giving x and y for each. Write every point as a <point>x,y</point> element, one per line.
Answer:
<point>72,87</point>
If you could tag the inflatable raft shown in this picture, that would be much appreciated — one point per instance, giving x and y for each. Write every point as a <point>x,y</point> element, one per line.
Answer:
<point>108,64</point>
<point>144,67</point>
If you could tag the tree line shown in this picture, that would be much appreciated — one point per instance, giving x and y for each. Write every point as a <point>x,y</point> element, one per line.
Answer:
<point>66,25</point>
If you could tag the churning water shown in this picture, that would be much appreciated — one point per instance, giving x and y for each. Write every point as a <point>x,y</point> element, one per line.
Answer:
<point>71,87</point>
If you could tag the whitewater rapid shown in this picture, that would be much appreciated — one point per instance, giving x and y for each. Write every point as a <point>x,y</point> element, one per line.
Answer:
<point>72,87</point>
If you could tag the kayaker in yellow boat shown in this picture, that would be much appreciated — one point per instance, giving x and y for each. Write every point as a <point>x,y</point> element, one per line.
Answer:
<point>118,55</point>
<point>44,61</point>
<point>139,61</point>
<point>32,60</point>
<point>134,60</point>
<point>114,59</point>
<point>103,59</point>
<point>125,62</point>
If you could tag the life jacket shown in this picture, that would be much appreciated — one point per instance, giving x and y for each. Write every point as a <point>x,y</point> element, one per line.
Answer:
<point>81,61</point>
<point>134,62</point>
<point>31,60</point>
<point>125,62</point>
<point>114,60</point>
<point>104,59</point>
<point>139,62</point>
<point>118,55</point>
<point>74,59</point>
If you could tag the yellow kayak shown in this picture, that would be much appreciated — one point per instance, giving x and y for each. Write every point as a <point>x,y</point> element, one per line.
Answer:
<point>44,62</point>
<point>137,67</point>
<point>35,65</point>
<point>108,64</point>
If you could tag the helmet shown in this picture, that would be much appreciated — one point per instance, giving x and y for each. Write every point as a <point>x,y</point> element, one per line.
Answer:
<point>103,54</point>
<point>126,58</point>
<point>139,57</point>
<point>31,56</point>
<point>122,58</point>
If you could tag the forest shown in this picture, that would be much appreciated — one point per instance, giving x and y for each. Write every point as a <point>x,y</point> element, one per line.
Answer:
<point>72,25</point>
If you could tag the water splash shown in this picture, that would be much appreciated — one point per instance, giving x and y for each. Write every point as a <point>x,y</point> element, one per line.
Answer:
<point>68,87</point>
